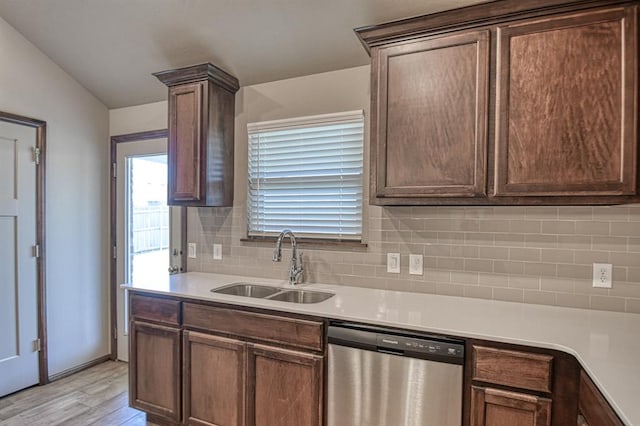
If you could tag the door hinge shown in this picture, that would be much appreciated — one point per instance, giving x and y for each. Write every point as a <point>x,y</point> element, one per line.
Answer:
<point>36,251</point>
<point>114,170</point>
<point>115,252</point>
<point>37,345</point>
<point>36,156</point>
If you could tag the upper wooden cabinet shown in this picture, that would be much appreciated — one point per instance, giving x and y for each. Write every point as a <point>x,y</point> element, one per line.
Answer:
<point>201,135</point>
<point>566,105</point>
<point>507,102</point>
<point>430,121</point>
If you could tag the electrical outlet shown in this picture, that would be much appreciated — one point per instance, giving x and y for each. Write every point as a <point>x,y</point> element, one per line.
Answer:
<point>602,275</point>
<point>415,264</point>
<point>393,263</point>
<point>191,251</point>
<point>217,252</point>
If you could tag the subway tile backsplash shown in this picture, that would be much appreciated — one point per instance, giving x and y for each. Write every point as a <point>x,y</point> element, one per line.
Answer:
<point>540,255</point>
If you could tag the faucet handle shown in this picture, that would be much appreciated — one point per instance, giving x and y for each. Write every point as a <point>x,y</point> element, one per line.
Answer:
<point>300,258</point>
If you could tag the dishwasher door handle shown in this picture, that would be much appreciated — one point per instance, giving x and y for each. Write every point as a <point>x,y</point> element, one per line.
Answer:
<point>390,351</point>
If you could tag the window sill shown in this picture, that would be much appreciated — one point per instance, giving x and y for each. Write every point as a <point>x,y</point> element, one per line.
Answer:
<point>309,242</point>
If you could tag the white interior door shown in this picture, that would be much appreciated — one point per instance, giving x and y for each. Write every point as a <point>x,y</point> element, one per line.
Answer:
<point>18,268</point>
<point>148,232</point>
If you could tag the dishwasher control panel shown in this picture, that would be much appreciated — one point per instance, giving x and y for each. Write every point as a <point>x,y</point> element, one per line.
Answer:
<point>420,346</point>
<point>398,342</point>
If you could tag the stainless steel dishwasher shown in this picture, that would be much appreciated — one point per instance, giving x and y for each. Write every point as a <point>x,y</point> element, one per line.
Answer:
<point>386,377</point>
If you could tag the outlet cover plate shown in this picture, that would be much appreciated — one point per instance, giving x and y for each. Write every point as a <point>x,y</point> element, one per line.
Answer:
<point>602,275</point>
<point>415,264</point>
<point>393,263</point>
<point>191,252</point>
<point>217,252</point>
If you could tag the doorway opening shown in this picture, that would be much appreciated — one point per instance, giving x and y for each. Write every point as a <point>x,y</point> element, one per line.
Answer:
<point>146,234</point>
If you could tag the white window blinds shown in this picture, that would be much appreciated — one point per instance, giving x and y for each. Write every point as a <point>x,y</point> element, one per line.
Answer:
<point>305,174</point>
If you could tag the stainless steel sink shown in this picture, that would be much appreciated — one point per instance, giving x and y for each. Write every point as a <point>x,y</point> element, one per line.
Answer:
<point>247,290</point>
<point>301,296</point>
<point>273,293</point>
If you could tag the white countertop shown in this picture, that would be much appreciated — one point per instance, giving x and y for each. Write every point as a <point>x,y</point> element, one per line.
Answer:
<point>607,344</point>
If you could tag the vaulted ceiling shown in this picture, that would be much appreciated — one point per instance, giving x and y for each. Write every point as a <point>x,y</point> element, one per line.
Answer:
<point>112,46</point>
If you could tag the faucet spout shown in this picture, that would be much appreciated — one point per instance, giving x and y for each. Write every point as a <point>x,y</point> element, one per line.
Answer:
<point>295,270</point>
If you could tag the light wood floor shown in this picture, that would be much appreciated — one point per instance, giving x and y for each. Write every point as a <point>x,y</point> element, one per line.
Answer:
<point>96,396</point>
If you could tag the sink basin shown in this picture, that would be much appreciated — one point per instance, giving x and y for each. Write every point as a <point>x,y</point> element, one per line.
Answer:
<point>301,296</point>
<point>272,293</point>
<point>247,290</point>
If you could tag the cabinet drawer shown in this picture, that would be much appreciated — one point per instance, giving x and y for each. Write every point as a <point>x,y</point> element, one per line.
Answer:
<point>155,309</point>
<point>269,328</point>
<point>512,368</point>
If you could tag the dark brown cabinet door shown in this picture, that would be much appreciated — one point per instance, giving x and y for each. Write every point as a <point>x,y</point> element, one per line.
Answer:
<point>594,409</point>
<point>214,380</point>
<point>154,364</point>
<point>186,143</point>
<point>493,407</point>
<point>429,117</point>
<point>284,387</point>
<point>201,135</point>
<point>566,114</point>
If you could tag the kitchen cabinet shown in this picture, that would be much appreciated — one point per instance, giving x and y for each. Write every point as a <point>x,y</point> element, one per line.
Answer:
<point>201,135</point>
<point>431,116</point>
<point>154,358</point>
<point>214,380</point>
<point>594,409</point>
<point>285,387</point>
<point>506,103</point>
<point>495,407</point>
<point>519,386</point>
<point>280,380</point>
<point>515,369</point>
<point>228,379</point>
<point>566,105</point>
<point>202,364</point>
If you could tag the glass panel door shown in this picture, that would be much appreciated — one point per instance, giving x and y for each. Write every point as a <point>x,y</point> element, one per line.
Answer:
<point>148,232</point>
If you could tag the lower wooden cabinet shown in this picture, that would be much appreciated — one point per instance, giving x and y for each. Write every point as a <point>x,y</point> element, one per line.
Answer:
<point>154,370</point>
<point>519,386</point>
<point>285,387</point>
<point>231,379</point>
<point>210,365</point>
<point>495,407</point>
<point>214,380</point>
<point>594,409</point>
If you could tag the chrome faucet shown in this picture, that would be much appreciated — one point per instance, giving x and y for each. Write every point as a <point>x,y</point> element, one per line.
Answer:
<point>295,270</point>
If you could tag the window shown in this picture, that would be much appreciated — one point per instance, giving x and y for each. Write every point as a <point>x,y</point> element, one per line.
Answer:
<point>305,174</point>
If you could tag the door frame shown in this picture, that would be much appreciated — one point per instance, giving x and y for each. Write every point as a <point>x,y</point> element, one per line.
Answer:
<point>115,140</point>
<point>41,139</point>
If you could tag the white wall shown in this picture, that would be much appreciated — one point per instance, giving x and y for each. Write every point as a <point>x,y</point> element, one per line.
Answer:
<point>76,197</point>
<point>138,118</point>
